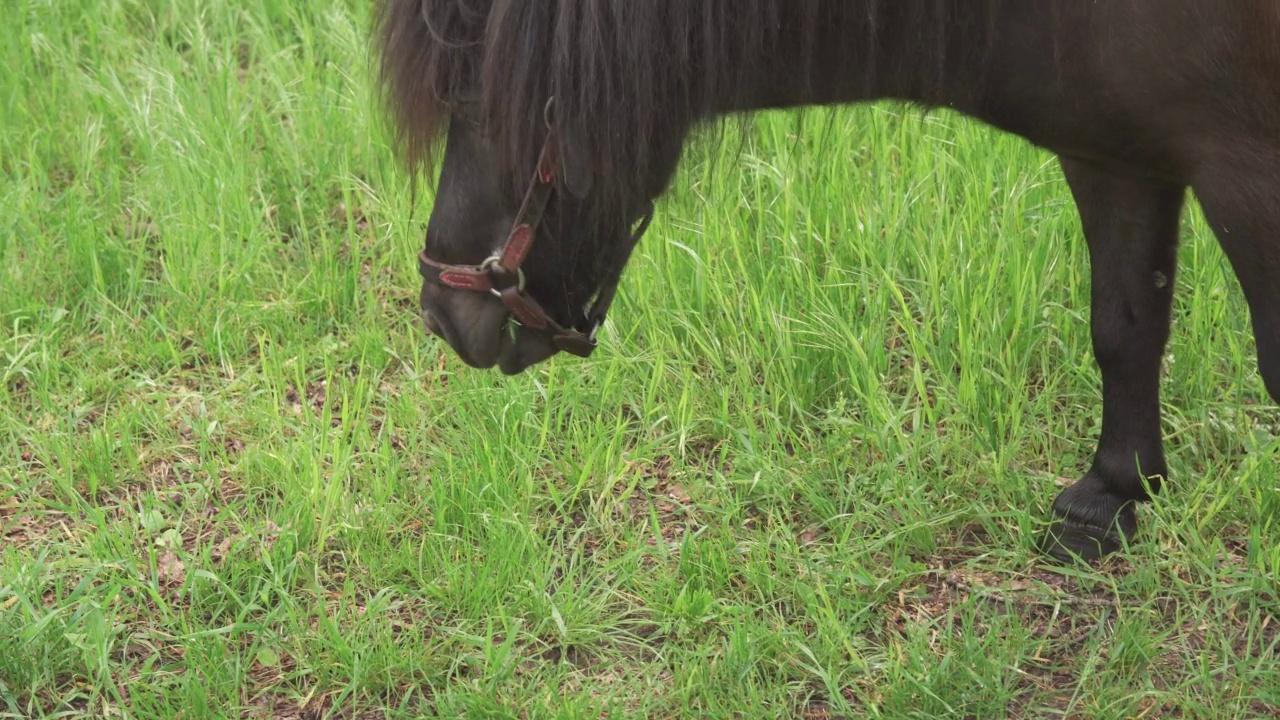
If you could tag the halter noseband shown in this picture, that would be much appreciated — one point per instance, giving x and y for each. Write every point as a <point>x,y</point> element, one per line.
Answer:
<point>501,273</point>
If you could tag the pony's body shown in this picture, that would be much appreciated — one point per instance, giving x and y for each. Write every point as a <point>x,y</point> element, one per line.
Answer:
<point>1141,99</point>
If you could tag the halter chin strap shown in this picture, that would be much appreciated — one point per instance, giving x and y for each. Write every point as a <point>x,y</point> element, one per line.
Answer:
<point>502,276</point>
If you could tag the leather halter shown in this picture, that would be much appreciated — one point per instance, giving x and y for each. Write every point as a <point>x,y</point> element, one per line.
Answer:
<point>502,276</point>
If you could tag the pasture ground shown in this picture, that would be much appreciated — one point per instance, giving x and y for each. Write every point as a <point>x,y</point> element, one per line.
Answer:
<point>847,373</point>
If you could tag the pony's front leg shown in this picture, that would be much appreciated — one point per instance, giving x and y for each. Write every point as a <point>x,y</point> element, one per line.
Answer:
<point>1131,227</point>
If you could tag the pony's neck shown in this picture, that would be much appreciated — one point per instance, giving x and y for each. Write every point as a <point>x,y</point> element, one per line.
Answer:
<point>922,52</point>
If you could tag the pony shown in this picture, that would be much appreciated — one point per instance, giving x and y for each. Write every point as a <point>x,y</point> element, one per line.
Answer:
<point>556,123</point>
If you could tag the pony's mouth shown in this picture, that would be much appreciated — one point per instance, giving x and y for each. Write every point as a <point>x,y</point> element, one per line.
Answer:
<point>521,348</point>
<point>483,334</point>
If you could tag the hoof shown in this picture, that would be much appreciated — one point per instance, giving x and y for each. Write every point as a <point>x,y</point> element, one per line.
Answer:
<point>1088,523</point>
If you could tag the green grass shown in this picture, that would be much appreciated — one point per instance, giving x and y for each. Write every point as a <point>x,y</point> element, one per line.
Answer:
<point>801,478</point>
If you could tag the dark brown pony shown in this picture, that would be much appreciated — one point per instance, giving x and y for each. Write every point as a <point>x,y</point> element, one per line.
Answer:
<point>564,119</point>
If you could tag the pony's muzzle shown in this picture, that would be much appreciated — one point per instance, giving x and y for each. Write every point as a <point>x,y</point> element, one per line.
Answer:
<point>480,330</point>
<point>468,324</point>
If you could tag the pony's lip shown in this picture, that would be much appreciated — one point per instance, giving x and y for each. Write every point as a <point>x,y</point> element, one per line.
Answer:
<point>521,348</point>
<point>508,359</point>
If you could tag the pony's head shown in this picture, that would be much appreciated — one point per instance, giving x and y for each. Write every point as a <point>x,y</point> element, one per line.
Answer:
<point>551,153</point>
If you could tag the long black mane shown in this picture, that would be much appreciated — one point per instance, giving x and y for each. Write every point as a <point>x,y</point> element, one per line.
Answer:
<point>625,71</point>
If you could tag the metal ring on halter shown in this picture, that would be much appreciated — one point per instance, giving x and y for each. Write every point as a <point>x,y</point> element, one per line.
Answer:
<point>492,262</point>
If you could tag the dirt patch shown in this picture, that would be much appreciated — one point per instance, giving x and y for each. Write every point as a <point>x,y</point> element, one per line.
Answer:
<point>677,514</point>
<point>314,706</point>
<point>315,399</point>
<point>1047,605</point>
<point>274,706</point>
<point>25,524</point>
<point>1072,619</point>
